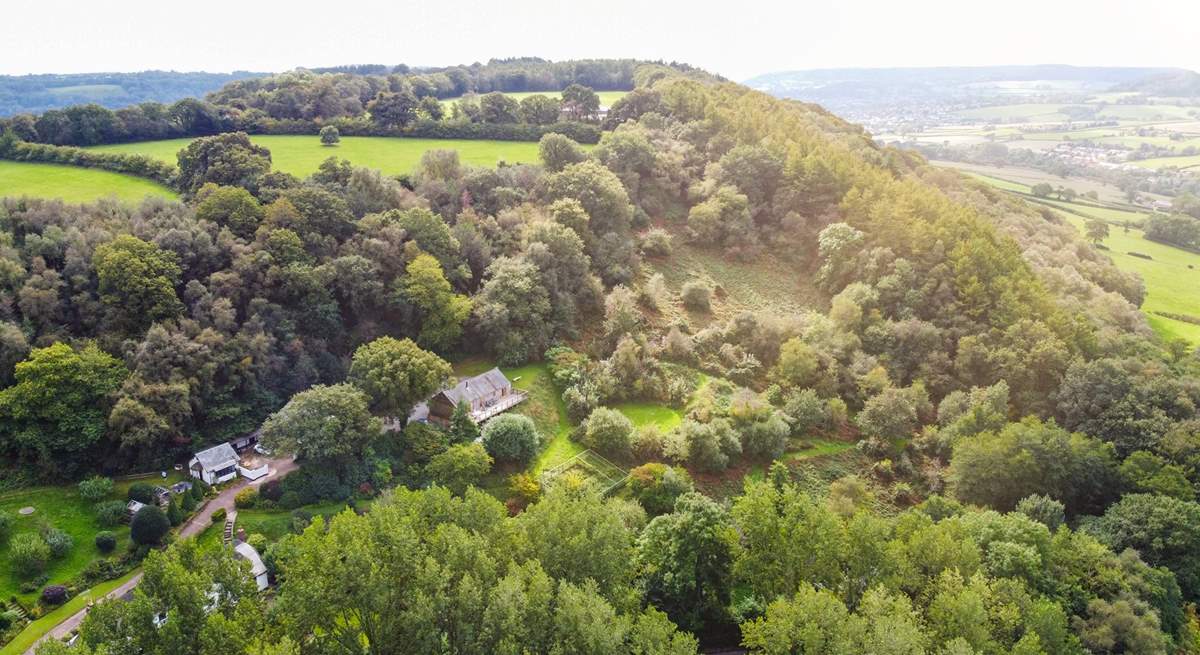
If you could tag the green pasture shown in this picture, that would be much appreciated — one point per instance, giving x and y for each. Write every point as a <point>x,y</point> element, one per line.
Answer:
<point>74,183</point>
<point>1162,162</point>
<point>300,155</point>
<point>643,414</point>
<point>275,523</point>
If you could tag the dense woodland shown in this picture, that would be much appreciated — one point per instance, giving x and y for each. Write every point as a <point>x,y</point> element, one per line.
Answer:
<point>1031,452</point>
<point>33,94</point>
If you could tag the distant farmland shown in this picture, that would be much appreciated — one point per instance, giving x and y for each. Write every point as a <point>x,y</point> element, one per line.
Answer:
<point>301,155</point>
<point>73,183</point>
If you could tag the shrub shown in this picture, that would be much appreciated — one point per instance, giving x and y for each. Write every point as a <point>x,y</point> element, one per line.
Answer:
<point>312,484</point>
<point>656,486</point>
<point>141,492</point>
<point>54,595</point>
<point>696,296</point>
<point>106,541</point>
<point>271,490</point>
<point>460,466</point>
<point>330,135</point>
<point>246,498</point>
<point>218,516</point>
<point>525,486</point>
<point>28,554</point>
<point>95,488</point>
<point>187,502</point>
<point>656,243</point>
<point>806,412</point>
<point>648,442</point>
<point>258,542</point>
<point>110,513</point>
<point>610,432</point>
<point>7,619</point>
<point>60,542</point>
<point>148,526</point>
<point>1044,510</point>
<point>174,513</point>
<point>6,521</point>
<point>511,438</point>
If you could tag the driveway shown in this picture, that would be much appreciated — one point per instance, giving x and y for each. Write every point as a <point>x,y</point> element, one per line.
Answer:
<point>192,527</point>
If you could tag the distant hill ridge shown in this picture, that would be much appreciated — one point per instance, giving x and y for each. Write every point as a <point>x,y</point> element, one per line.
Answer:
<point>32,94</point>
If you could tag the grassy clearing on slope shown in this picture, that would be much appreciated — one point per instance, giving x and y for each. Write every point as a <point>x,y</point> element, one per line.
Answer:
<point>275,523</point>
<point>300,155</point>
<point>643,414</point>
<point>74,183</point>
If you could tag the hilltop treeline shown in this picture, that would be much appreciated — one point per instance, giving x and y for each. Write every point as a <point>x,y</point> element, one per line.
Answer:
<point>399,102</point>
<point>33,94</point>
<point>973,348</point>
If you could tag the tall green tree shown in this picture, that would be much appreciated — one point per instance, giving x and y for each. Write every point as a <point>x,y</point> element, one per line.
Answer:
<point>443,311</point>
<point>137,281</point>
<point>323,423</point>
<point>396,374</point>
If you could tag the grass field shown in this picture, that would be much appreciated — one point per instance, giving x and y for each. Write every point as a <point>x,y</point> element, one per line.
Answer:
<point>1015,112</point>
<point>1170,285</point>
<point>73,183</point>
<point>300,155</point>
<point>1162,162</point>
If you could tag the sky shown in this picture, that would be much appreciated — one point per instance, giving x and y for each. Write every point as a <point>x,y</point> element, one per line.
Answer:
<point>735,39</point>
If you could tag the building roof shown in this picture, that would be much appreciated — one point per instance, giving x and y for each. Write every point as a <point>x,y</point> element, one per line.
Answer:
<point>480,386</point>
<point>247,551</point>
<point>218,457</point>
<point>134,506</point>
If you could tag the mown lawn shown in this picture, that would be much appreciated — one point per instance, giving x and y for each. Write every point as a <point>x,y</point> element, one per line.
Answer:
<point>301,155</point>
<point>74,183</point>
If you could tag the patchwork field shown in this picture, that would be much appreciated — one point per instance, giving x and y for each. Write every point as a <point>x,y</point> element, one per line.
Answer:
<point>300,155</point>
<point>73,183</point>
<point>1027,177</point>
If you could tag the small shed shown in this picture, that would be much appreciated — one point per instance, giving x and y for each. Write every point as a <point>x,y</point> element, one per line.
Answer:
<point>133,507</point>
<point>215,465</point>
<point>181,487</point>
<point>162,496</point>
<point>257,568</point>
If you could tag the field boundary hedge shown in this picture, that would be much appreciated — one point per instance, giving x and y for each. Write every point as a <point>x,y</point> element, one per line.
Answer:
<point>139,165</point>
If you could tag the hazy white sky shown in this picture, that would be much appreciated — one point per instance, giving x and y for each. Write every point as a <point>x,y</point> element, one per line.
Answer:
<point>736,39</point>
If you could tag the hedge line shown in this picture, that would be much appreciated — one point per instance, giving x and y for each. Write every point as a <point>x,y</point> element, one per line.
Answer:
<point>140,165</point>
<point>429,129</point>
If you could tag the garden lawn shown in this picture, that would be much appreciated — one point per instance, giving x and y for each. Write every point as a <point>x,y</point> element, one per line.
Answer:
<point>36,629</point>
<point>300,155</point>
<point>74,183</point>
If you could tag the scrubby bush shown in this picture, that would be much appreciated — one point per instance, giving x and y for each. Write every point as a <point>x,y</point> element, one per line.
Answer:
<point>312,484</point>
<point>218,515</point>
<point>460,466</point>
<point>6,521</point>
<point>696,295</point>
<point>60,542</point>
<point>54,595</point>
<point>525,486</point>
<point>141,492</point>
<point>656,486</point>
<point>271,490</point>
<point>106,541</point>
<point>656,242</point>
<point>1044,510</point>
<point>609,432</point>
<point>648,442</point>
<point>806,412</point>
<point>246,498</point>
<point>258,542</point>
<point>95,488</point>
<point>28,554</point>
<point>149,526</point>
<point>110,513</point>
<point>511,438</point>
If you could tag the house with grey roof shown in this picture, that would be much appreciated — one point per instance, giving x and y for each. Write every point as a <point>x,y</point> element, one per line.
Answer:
<point>485,395</point>
<point>215,465</point>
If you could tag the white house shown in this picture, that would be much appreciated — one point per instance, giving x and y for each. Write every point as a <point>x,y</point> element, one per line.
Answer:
<point>257,568</point>
<point>215,465</point>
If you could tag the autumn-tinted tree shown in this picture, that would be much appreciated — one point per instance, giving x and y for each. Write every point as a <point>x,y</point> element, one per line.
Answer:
<point>227,160</point>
